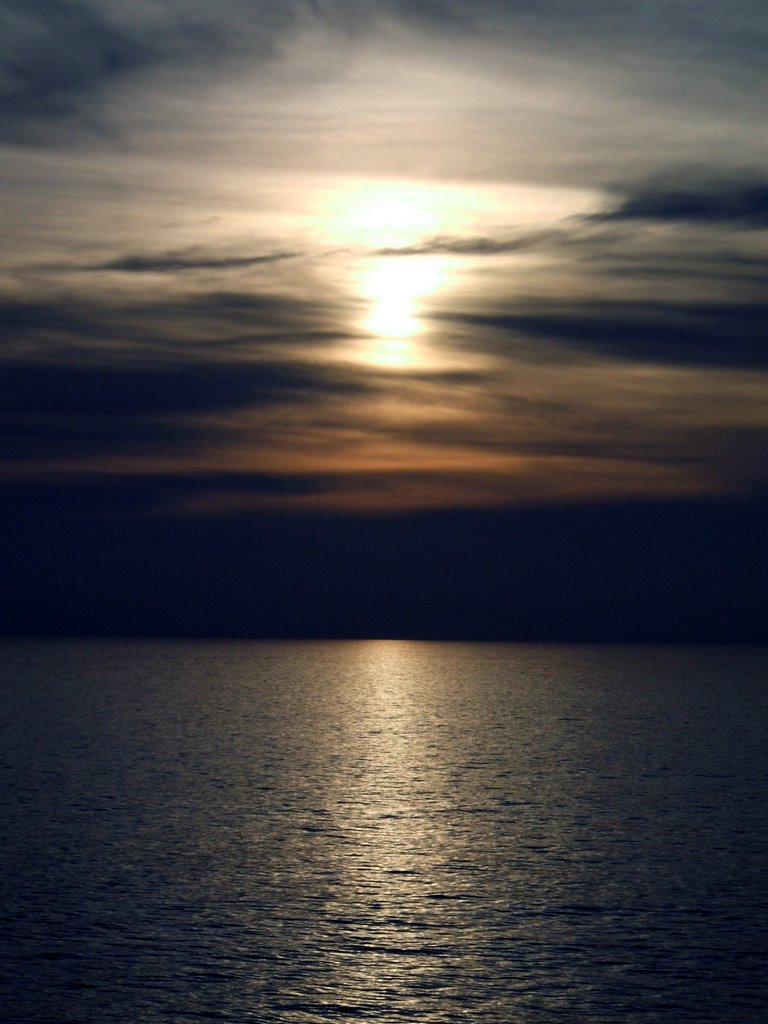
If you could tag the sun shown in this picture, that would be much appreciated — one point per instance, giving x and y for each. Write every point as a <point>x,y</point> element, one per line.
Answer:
<point>394,284</point>
<point>386,215</point>
<point>395,287</point>
<point>392,220</point>
<point>384,228</point>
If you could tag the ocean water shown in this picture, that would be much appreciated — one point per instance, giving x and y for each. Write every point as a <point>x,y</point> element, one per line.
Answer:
<point>382,831</point>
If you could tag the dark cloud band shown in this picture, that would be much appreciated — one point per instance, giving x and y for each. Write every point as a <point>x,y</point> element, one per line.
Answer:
<point>743,203</point>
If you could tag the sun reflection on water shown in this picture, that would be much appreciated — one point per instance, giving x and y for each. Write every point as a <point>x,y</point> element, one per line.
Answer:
<point>399,782</point>
<point>394,806</point>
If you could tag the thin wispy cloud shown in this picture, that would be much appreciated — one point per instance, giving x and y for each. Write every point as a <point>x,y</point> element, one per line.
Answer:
<point>173,263</point>
<point>482,246</point>
<point>59,56</point>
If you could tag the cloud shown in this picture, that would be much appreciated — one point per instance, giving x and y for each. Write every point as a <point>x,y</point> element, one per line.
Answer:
<point>642,571</point>
<point>176,325</point>
<point>633,431</point>
<point>683,333</point>
<point>688,24</point>
<point>191,386</point>
<point>742,203</point>
<point>55,52</point>
<point>70,411</point>
<point>21,319</point>
<point>477,246</point>
<point>172,262</point>
<point>55,438</point>
<point>142,494</point>
<point>57,56</point>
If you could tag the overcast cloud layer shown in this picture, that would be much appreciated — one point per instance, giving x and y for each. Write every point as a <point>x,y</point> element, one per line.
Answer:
<point>182,300</point>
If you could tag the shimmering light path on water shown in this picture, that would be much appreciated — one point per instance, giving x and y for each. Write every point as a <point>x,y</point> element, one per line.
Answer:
<point>383,831</point>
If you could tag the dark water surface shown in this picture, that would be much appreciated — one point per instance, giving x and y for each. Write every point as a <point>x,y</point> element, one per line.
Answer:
<point>382,831</point>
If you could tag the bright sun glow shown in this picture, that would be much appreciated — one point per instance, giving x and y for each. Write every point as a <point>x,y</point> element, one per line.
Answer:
<point>373,220</point>
<point>388,215</point>
<point>394,286</point>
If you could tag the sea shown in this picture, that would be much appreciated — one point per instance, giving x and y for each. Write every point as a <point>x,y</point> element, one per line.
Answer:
<point>382,831</point>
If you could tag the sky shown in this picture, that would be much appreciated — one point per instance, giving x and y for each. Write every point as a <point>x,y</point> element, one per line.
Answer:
<point>399,318</point>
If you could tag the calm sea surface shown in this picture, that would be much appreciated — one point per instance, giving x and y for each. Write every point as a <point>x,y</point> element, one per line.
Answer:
<point>382,831</point>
